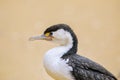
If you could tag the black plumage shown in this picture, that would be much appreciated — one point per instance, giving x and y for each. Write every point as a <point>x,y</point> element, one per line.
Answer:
<point>83,68</point>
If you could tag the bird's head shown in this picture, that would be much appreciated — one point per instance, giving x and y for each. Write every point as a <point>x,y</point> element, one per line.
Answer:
<point>60,33</point>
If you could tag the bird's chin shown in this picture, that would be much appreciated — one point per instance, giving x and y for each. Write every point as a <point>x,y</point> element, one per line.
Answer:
<point>49,38</point>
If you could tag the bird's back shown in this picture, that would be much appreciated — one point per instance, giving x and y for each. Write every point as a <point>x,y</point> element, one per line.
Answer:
<point>86,69</point>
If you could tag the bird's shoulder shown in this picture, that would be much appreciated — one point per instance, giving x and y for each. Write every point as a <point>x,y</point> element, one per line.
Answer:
<point>86,68</point>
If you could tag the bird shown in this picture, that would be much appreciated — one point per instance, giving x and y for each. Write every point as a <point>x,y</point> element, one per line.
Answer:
<point>63,62</point>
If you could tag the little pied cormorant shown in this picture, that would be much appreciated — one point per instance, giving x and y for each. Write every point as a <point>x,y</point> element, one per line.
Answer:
<point>62,63</point>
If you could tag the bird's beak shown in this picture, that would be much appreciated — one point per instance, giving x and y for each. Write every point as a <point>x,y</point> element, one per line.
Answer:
<point>40,37</point>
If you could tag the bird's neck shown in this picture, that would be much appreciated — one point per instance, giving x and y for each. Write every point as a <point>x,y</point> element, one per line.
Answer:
<point>71,45</point>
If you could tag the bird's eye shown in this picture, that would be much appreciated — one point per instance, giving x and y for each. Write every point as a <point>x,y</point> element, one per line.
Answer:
<point>51,33</point>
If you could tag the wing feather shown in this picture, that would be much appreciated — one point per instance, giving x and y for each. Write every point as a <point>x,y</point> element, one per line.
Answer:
<point>86,69</point>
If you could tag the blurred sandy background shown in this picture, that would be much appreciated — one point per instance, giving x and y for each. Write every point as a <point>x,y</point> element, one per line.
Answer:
<point>96,23</point>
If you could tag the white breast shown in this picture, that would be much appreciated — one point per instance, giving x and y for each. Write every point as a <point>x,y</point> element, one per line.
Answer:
<point>55,66</point>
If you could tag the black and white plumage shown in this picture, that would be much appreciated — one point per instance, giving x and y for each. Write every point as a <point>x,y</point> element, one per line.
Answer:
<point>62,62</point>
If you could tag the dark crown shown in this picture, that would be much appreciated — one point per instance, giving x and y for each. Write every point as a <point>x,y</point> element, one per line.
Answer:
<point>58,26</point>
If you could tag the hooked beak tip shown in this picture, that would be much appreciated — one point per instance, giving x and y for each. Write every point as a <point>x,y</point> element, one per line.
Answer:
<point>31,39</point>
<point>40,37</point>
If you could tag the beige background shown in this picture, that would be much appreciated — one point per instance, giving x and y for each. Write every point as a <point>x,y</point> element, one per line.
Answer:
<point>96,23</point>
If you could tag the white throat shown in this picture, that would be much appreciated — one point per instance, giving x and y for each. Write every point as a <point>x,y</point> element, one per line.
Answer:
<point>54,64</point>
